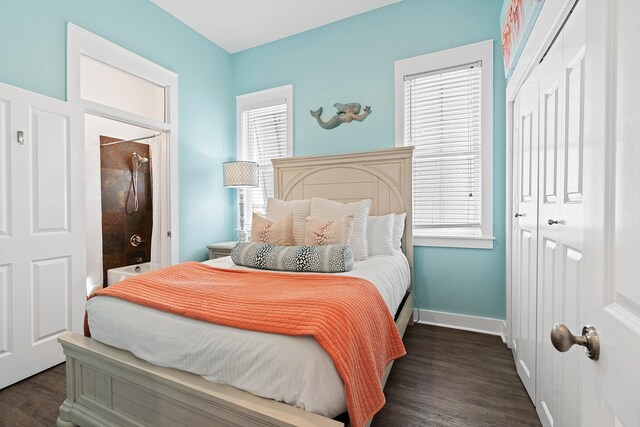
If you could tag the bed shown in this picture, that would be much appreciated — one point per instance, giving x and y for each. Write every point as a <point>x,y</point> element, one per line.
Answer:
<point>106,384</point>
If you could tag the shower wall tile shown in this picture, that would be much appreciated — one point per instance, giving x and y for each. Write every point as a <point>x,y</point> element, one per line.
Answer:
<point>113,243</point>
<point>132,257</point>
<point>144,182</point>
<point>119,222</point>
<point>113,200</point>
<point>148,202</point>
<point>113,222</point>
<point>142,202</point>
<point>115,179</point>
<point>134,223</point>
<point>118,156</point>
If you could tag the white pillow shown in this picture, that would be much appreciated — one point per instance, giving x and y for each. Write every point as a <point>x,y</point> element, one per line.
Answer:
<point>380,234</point>
<point>300,209</point>
<point>360,210</point>
<point>398,229</point>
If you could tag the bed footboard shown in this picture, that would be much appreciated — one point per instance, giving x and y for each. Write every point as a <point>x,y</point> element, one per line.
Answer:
<point>107,386</point>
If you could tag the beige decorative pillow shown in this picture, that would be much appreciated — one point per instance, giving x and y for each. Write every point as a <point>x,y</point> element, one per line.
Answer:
<point>279,232</point>
<point>300,209</point>
<point>332,209</point>
<point>323,231</point>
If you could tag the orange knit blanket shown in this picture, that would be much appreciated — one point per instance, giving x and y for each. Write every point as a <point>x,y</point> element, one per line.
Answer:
<point>346,315</point>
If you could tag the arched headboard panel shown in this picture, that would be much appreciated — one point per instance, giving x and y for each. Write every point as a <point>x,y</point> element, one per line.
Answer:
<point>384,176</point>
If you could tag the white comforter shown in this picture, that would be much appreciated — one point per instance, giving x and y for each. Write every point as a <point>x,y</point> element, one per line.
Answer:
<point>294,370</point>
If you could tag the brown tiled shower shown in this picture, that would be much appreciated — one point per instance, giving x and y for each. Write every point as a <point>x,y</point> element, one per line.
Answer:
<point>120,221</point>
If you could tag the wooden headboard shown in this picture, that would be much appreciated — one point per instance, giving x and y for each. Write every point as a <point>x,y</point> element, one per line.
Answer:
<point>384,176</point>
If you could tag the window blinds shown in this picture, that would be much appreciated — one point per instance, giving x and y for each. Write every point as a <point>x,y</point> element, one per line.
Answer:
<point>442,120</point>
<point>265,138</point>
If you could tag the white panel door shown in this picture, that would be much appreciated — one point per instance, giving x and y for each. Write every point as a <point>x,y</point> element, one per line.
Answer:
<point>610,394</point>
<point>42,234</point>
<point>551,297</point>
<point>525,233</point>
<point>560,230</point>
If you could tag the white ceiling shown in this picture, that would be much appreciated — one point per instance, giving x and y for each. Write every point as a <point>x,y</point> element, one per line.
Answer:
<point>237,25</point>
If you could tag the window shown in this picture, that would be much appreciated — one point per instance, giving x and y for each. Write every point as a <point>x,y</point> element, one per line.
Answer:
<point>444,109</point>
<point>264,133</point>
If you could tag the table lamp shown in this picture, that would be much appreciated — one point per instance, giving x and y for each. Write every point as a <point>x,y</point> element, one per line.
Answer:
<point>240,175</point>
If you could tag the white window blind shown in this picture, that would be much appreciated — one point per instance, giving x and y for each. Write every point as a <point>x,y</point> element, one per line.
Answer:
<point>264,137</point>
<point>443,121</point>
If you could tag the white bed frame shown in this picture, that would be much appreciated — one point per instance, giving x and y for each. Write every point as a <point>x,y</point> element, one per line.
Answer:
<point>108,386</point>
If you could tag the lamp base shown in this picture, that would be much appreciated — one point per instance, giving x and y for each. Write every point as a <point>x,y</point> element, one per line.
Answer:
<point>242,235</point>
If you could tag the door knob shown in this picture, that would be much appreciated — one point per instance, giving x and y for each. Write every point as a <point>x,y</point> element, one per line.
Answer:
<point>518,215</point>
<point>562,339</point>
<point>551,222</point>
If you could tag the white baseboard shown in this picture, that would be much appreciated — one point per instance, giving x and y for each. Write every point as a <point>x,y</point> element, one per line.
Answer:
<point>483,325</point>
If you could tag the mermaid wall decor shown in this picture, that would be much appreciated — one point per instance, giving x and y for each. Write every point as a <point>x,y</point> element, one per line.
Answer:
<point>346,114</point>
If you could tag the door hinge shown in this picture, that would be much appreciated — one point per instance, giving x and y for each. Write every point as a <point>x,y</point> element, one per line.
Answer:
<point>168,234</point>
<point>21,137</point>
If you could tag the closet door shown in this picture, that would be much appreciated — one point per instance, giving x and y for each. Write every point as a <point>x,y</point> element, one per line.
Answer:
<point>525,233</point>
<point>551,297</point>
<point>42,246</point>
<point>561,226</point>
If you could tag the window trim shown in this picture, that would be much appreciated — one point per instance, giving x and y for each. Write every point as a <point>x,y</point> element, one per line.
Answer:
<point>259,99</point>
<point>482,51</point>
<point>264,98</point>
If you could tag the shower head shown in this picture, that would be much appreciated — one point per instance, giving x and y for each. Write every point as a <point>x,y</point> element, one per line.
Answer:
<point>139,159</point>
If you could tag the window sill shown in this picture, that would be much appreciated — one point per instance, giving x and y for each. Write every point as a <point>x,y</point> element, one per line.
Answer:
<point>472,242</point>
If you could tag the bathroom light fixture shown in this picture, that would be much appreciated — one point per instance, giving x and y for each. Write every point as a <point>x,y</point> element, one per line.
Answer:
<point>240,175</point>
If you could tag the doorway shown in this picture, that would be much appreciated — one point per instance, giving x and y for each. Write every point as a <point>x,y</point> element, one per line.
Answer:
<point>125,97</point>
<point>129,195</point>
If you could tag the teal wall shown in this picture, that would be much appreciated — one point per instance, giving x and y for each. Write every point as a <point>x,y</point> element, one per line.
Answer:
<point>352,60</point>
<point>33,56</point>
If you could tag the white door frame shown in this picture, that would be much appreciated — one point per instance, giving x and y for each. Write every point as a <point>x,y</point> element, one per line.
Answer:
<point>549,22</point>
<point>82,42</point>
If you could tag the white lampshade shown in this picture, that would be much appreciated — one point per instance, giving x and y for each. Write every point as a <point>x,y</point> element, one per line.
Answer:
<point>240,174</point>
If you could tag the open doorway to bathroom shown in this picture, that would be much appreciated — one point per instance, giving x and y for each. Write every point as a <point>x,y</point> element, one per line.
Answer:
<point>126,172</point>
<point>130,106</point>
<point>127,202</point>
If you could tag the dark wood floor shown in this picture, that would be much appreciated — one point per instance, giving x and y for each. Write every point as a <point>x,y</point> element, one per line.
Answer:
<point>34,401</point>
<point>448,378</point>
<point>455,378</point>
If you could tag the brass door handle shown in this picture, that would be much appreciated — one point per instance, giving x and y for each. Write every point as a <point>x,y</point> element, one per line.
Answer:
<point>562,339</point>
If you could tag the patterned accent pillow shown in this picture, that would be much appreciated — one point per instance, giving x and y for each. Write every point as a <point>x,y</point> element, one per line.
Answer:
<point>318,259</point>
<point>323,231</point>
<point>279,232</point>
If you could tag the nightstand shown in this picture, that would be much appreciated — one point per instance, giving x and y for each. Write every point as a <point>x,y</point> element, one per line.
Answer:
<point>219,250</point>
